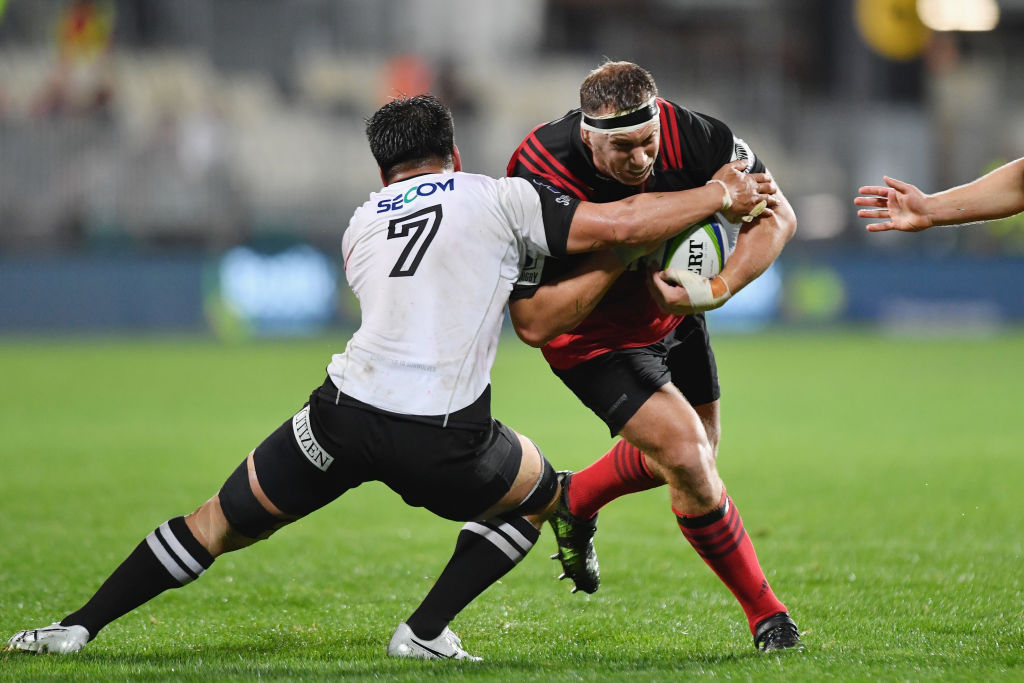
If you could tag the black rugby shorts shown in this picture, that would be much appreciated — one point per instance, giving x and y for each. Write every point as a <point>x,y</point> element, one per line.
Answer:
<point>616,384</point>
<point>327,449</point>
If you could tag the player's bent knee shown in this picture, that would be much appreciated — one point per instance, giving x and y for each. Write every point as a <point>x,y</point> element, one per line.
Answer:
<point>695,468</point>
<point>243,511</point>
<point>543,494</point>
<point>211,528</point>
<point>684,454</point>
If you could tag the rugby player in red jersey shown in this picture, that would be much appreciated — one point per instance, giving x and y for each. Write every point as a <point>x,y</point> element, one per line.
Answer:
<point>633,347</point>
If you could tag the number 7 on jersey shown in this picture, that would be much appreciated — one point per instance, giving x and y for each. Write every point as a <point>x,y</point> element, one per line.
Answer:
<point>420,228</point>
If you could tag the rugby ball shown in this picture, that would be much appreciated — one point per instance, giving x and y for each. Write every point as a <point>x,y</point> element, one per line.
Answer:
<point>701,248</point>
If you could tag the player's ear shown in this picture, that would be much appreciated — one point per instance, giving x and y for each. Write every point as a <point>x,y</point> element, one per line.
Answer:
<point>456,159</point>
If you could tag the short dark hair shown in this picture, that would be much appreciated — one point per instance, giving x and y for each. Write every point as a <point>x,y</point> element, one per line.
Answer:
<point>618,85</point>
<point>409,130</point>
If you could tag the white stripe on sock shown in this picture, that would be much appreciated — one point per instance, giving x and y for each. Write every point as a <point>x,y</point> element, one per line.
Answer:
<point>179,550</point>
<point>497,539</point>
<point>517,537</point>
<point>166,560</point>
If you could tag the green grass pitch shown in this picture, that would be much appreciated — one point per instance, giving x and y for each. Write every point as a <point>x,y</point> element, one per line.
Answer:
<point>880,478</point>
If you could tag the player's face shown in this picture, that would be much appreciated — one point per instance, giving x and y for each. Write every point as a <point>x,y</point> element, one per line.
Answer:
<point>626,157</point>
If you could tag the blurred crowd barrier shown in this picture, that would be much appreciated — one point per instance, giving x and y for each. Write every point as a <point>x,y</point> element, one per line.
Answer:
<point>296,289</point>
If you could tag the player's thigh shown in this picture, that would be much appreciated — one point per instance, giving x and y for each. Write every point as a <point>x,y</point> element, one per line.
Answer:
<point>455,472</point>
<point>669,432</point>
<point>299,468</point>
<point>617,384</point>
<point>467,474</point>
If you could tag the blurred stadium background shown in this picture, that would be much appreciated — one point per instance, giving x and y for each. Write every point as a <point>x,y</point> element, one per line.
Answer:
<point>189,165</point>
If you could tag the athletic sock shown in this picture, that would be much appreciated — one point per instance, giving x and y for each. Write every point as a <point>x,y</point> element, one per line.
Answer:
<point>719,537</point>
<point>619,471</point>
<point>169,557</point>
<point>484,552</point>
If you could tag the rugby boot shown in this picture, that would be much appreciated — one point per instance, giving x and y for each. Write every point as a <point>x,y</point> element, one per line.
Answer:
<point>778,632</point>
<point>575,538</point>
<point>405,643</point>
<point>54,639</point>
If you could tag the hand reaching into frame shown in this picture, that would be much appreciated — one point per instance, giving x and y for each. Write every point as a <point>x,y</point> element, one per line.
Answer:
<point>899,202</point>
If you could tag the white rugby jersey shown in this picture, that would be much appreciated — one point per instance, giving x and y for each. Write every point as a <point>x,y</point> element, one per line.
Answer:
<point>432,260</point>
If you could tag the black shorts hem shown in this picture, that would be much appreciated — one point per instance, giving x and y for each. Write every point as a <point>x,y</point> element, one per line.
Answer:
<point>616,384</point>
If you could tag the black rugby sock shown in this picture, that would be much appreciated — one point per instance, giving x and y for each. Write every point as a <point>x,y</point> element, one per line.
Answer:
<point>484,552</point>
<point>170,557</point>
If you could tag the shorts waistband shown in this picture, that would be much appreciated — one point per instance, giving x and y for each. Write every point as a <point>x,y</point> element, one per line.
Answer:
<point>475,416</point>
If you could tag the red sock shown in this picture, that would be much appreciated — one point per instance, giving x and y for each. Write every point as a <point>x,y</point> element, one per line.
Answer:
<point>719,537</point>
<point>616,473</point>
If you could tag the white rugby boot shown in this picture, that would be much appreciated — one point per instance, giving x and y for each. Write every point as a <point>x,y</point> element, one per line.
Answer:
<point>54,638</point>
<point>404,643</point>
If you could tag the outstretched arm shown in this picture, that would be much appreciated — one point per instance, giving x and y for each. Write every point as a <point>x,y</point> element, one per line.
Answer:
<point>996,195</point>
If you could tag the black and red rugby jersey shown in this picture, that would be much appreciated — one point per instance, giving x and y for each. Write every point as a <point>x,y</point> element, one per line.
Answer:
<point>692,147</point>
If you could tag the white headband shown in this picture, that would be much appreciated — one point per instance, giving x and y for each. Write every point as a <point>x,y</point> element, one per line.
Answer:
<point>622,121</point>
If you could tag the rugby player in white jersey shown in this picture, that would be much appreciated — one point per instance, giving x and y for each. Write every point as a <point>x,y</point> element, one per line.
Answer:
<point>432,257</point>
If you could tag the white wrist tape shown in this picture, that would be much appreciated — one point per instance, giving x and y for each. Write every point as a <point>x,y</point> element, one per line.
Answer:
<point>698,289</point>
<point>726,197</point>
